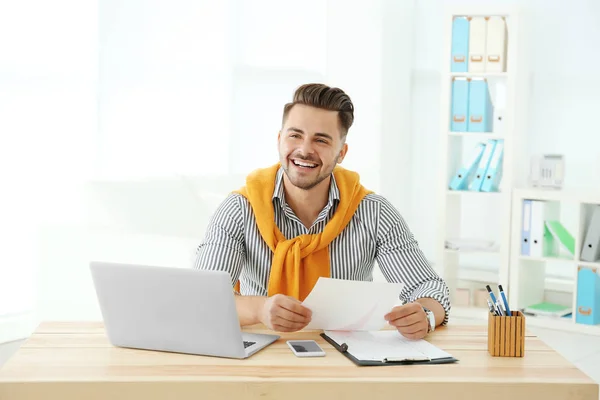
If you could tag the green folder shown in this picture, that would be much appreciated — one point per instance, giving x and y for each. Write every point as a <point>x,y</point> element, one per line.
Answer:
<point>548,309</point>
<point>563,236</point>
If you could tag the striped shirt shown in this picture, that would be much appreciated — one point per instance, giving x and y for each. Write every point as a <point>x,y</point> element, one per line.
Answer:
<point>376,233</point>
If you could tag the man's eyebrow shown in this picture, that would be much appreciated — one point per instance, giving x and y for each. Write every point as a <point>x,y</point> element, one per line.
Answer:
<point>324,135</point>
<point>321,134</point>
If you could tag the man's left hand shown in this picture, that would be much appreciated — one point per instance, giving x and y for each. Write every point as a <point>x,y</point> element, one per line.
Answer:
<point>410,320</point>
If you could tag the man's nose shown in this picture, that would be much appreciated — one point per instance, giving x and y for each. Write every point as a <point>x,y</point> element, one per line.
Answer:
<point>307,147</point>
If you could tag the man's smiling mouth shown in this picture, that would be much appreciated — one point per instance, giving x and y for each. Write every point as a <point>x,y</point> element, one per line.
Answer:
<point>304,164</point>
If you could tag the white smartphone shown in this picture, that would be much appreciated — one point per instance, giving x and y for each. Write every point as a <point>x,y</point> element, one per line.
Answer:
<point>306,348</point>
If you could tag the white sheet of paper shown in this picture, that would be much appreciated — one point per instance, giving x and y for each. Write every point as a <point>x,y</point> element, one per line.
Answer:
<point>345,305</point>
<point>387,344</point>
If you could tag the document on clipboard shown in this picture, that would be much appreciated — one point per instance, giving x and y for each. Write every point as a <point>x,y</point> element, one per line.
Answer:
<point>385,347</point>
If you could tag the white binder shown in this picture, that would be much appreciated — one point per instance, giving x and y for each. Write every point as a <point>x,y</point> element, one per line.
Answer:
<point>590,250</point>
<point>495,48</point>
<point>536,229</point>
<point>477,43</point>
<point>540,240</point>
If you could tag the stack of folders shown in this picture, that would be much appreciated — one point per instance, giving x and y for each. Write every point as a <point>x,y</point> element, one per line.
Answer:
<point>479,44</point>
<point>472,108</point>
<point>541,235</point>
<point>482,170</point>
<point>590,250</point>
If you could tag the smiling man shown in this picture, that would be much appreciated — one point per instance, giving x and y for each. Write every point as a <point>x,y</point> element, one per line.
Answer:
<point>307,217</point>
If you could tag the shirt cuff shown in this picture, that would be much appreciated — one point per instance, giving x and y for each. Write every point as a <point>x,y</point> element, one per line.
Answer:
<point>436,290</point>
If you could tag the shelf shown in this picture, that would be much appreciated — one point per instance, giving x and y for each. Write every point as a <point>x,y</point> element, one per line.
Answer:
<point>470,193</point>
<point>587,264</point>
<point>479,74</point>
<point>452,251</point>
<point>573,195</point>
<point>544,259</point>
<point>476,135</point>
<point>562,324</point>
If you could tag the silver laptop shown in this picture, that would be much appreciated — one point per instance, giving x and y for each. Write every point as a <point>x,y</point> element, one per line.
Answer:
<point>172,309</point>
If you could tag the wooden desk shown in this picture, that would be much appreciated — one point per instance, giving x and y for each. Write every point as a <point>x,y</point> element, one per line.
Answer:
<point>75,361</point>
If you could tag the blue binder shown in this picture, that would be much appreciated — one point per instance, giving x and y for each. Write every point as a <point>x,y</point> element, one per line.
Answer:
<point>588,296</point>
<point>460,105</point>
<point>493,175</point>
<point>465,172</point>
<point>484,163</point>
<point>526,228</point>
<point>481,115</point>
<point>460,45</point>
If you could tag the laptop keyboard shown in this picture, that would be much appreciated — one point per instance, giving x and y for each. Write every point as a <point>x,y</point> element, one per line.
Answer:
<point>248,344</point>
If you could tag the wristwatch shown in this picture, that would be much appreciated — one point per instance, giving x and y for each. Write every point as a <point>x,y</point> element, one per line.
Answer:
<point>430,319</point>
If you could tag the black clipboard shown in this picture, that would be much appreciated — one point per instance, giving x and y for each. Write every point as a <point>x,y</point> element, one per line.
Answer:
<point>343,348</point>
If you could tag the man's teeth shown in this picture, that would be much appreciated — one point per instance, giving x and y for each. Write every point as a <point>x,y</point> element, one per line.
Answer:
<point>303,164</point>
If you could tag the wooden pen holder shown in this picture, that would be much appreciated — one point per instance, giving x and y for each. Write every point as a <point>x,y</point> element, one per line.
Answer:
<point>506,335</point>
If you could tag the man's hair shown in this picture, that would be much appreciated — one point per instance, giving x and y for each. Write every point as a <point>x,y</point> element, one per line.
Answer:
<point>325,97</point>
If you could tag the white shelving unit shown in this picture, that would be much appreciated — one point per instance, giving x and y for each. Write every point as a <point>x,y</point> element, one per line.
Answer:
<point>459,212</point>
<point>529,275</point>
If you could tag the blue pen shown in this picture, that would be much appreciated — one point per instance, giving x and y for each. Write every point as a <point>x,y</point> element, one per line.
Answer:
<point>504,300</point>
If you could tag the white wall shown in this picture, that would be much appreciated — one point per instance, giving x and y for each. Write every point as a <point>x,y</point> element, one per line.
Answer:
<point>155,179</point>
<point>47,118</point>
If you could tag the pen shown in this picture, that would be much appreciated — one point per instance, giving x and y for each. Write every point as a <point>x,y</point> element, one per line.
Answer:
<point>504,300</point>
<point>500,310</point>
<point>492,310</point>
<point>489,289</point>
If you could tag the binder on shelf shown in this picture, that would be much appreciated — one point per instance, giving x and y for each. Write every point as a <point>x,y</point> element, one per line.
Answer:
<point>460,44</point>
<point>591,245</point>
<point>484,162</point>
<point>540,238</point>
<point>460,105</point>
<point>462,177</point>
<point>496,45</point>
<point>477,43</point>
<point>480,107</point>
<point>560,236</point>
<point>385,347</point>
<point>526,228</point>
<point>588,296</point>
<point>493,174</point>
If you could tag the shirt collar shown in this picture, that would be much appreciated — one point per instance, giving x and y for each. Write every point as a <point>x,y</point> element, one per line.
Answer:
<point>278,192</point>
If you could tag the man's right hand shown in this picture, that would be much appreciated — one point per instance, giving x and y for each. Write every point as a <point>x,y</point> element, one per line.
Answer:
<point>284,314</point>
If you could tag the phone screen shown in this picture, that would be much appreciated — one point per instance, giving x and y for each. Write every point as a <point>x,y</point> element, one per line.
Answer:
<point>306,347</point>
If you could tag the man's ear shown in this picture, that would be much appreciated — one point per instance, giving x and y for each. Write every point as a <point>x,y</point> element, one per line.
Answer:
<point>342,153</point>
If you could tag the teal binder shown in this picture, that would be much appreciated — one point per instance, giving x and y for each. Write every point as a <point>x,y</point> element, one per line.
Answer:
<point>460,105</point>
<point>481,115</point>
<point>484,163</point>
<point>460,45</point>
<point>463,176</point>
<point>493,174</point>
<point>588,296</point>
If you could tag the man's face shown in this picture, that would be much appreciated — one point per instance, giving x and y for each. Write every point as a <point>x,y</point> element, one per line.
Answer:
<point>310,145</point>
